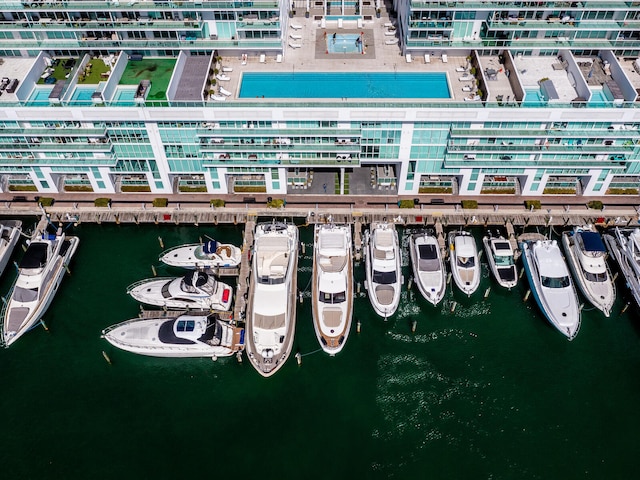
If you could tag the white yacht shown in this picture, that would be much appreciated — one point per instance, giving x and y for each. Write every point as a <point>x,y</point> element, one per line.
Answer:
<point>332,291</point>
<point>195,290</point>
<point>271,306</point>
<point>176,334</point>
<point>382,265</point>
<point>465,262</point>
<point>10,231</point>
<point>501,259</point>
<point>551,284</point>
<point>586,256</point>
<point>210,254</point>
<point>39,275</point>
<point>624,245</point>
<point>428,266</point>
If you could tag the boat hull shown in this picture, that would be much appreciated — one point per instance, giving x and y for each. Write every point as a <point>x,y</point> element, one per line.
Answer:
<point>272,299</point>
<point>194,256</point>
<point>505,275</point>
<point>382,261</point>
<point>601,294</point>
<point>166,292</point>
<point>149,337</point>
<point>465,262</point>
<point>432,279</point>
<point>332,290</point>
<point>563,313</point>
<point>21,316</point>
<point>10,234</point>
<point>620,245</point>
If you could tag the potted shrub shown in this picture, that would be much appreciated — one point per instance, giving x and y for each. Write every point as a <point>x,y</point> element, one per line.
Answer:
<point>160,202</point>
<point>46,201</point>
<point>377,13</point>
<point>469,204</point>
<point>406,203</point>
<point>102,202</point>
<point>532,204</point>
<point>217,202</point>
<point>595,204</point>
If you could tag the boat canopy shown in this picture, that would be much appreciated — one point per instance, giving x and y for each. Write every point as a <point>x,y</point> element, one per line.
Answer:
<point>35,256</point>
<point>592,242</point>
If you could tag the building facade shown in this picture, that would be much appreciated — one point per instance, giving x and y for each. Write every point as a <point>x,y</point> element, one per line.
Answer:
<point>140,96</point>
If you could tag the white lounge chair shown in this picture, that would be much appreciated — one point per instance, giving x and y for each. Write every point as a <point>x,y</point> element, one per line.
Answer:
<point>427,58</point>
<point>224,92</point>
<point>472,98</point>
<point>388,25</point>
<point>461,69</point>
<point>244,58</point>
<point>466,88</point>
<point>218,98</point>
<point>408,58</point>
<point>296,26</point>
<point>466,78</point>
<point>295,36</point>
<point>227,69</point>
<point>263,58</point>
<point>279,58</point>
<point>445,59</point>
<point>223,78</point>
<point>391,41</point>
<point>295,45</point>
<point>390,32</point>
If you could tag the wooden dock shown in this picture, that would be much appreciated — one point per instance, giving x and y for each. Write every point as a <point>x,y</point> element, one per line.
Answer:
<point>244,272</point>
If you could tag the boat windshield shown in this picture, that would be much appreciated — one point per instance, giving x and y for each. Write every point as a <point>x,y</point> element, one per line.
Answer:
<point>338,297</point>
<point>466,262</point>
<point>384,278</point>
<point>555,282</point>
<point>596,277</point>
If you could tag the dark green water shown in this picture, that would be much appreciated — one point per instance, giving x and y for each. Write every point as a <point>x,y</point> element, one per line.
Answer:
<point>490,391</point>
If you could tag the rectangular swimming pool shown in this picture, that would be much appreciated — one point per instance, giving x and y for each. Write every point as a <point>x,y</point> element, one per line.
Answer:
<point>344,85</point>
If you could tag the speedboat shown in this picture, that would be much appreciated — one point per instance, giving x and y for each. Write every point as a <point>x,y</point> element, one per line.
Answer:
<point>194,290</point>
<point>501,259</point>
<point>10,231</point>
<point>271,306</point>
<point>586,256</point>
<point>177,334</point>
<point>39,275</point>
<point>382,265</point>
<point>465,262</point>
<point>428,266</point>
<point>551,284</point>
<point>210,254</point>
<point>624,245</point>
<point>332,292</point>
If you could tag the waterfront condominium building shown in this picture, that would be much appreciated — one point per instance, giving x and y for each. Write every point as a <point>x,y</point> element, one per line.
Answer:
<point>406,97</point>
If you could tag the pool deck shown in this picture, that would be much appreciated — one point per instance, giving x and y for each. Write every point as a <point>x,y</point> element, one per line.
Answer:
<point>310,55</point>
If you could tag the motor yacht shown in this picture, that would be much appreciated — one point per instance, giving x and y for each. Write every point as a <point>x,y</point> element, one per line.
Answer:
<point>332,291</point>
<point>428,266</point>
<point>501,259</point>
<point>40,273</point>
<point>382,265</point>
<point>177,334</point>
<point>10,231</point>
<point>551,284</point>
<point>207,255</point>
<point>271,304</point>
<point>197,289</point>
<point>624,245</point>
<point>586,256</point>
<point>464,260</point>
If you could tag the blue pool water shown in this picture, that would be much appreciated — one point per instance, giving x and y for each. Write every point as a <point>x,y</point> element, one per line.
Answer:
<point>599,98</point>
<point>344,85</point>
<point>40,95</point>
<point>82,95</point>
<point>344,43</point>
<point>124,96</point>
<point>534,98</point>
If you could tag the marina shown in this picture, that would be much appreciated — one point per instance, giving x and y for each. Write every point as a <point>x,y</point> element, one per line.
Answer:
<point>474,375</point>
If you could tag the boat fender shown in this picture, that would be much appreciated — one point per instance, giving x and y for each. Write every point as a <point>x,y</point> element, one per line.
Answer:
<point>554,242</point>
